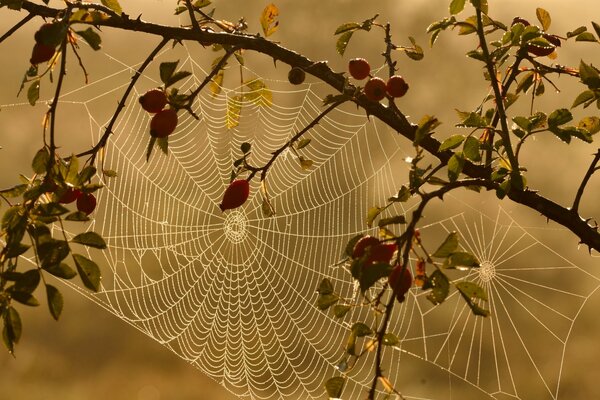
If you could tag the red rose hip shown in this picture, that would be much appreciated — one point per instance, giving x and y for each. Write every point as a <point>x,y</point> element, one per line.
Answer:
<point>235,195</point>
<point>359,68</point>
<point>163,123</point>
<point>86,203</point>
<point>375,89</point>
<point>396,86</point>
<point>400,281</point>
<point>41,53</point>
<point>363,244</point>
<point>153,101</point>
<point>69,196</point>
<point>296,76</point>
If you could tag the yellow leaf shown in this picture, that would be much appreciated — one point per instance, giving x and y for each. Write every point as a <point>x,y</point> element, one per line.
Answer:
<point>268,19</point>
<point>216,84</point>
<point>234,108</point>
<point>387,385</point>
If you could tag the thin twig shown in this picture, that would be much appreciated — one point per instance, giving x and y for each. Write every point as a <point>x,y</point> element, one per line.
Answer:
<point>505,133</point>
<point>193,19</point>
<point>108,131</point>
<point>586,178</point>
<point>263,170</point>
<point>53,107</point>
<point>16,27</point>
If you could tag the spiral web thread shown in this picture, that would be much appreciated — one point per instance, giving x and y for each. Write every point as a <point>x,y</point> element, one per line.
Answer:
<point>234,293</point>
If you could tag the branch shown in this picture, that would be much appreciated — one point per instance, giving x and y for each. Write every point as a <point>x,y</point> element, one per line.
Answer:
<point>586,178</point>
<point>587,234</point>
<point>16,27</point>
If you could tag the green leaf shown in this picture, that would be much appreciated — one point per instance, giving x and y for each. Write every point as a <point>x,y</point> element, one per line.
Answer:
<point>559,117</point>
<point>586,37</point>
<point>596,28</point>
<point>402,196</point>
<point>176,77</point>
<point>88,271</point>
<point>91,37</point>
<point>86,174</point>
<point>50,209</point>
<point>544,17</point>
<point>360,329</point>
<point>583,97</point>
<point>61,270</point>
<point>448,247</point>
<point>372,273</point>
<point>452,142</point>
<point>166,70</point>
<point>25,298</point>
<point>78,216</point>
<point>15,250</point>
<point>326,300</point>
<point>28,281</point>
<point>15,191</point>
<point>372,214</point>
<point>55,301</point>
<point>440,287</point>
<point>325,287</point>
<point>351,243</point>
<point>389,339</point>
<point>461,259</point>
<point>589,75</point>
<point>398,219</point>
<point>40,161</point>
<point>33,93</point>
<point>481,5</point>
<point>343,41</point>
<point>426,126</point>
<point>305,164</point>
<point>91,239</point>
<point>576,32</point>
<point>471,149</point>
<point>12,328</point>
<point>113,5</point>
<point>334,387</point>
<point>471,290</point>
<point>348,26</point>
<point>302,143</point>
<point>455,166</point>
<point>473,120</point>
<point>456,6</point>
<point>72,172</point>
<point>52,252</point>
<point>340,310</point>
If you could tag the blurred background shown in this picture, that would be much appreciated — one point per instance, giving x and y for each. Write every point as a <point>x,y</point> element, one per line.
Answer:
<point>90,354</point>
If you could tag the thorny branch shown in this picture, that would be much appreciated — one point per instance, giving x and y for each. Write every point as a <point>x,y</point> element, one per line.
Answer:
<point>587,234</point>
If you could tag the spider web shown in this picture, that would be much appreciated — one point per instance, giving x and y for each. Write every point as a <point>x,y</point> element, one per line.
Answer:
<point>234,293</point>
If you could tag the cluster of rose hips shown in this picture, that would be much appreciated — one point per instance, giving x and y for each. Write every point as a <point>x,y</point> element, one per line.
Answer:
<point>535,49</point>
<point>86,202</point>
<point>376,88</point>
<point>43,50</point>
<point>164,121</point>
<point>374,251</point>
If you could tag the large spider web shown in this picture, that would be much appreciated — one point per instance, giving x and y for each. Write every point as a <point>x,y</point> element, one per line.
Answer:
<point>234,293</point>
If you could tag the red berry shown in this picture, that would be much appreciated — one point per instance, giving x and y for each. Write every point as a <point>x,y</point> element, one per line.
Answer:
<point>41,53</point>
<point>296,76</point>
<point>396,86</point>
<point>359,68</point>
<point>381,253</point>
<point>545,50</point>
<point>86,203</point>
<point>40,35</point>
<point>153,101</point>
<point>519,20</point>
<point>163,123</point>
<point>235,195</point>
<point>70,196</point>
<point>363,244</point>
<point>375,89</point>
<point>400,281</point>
